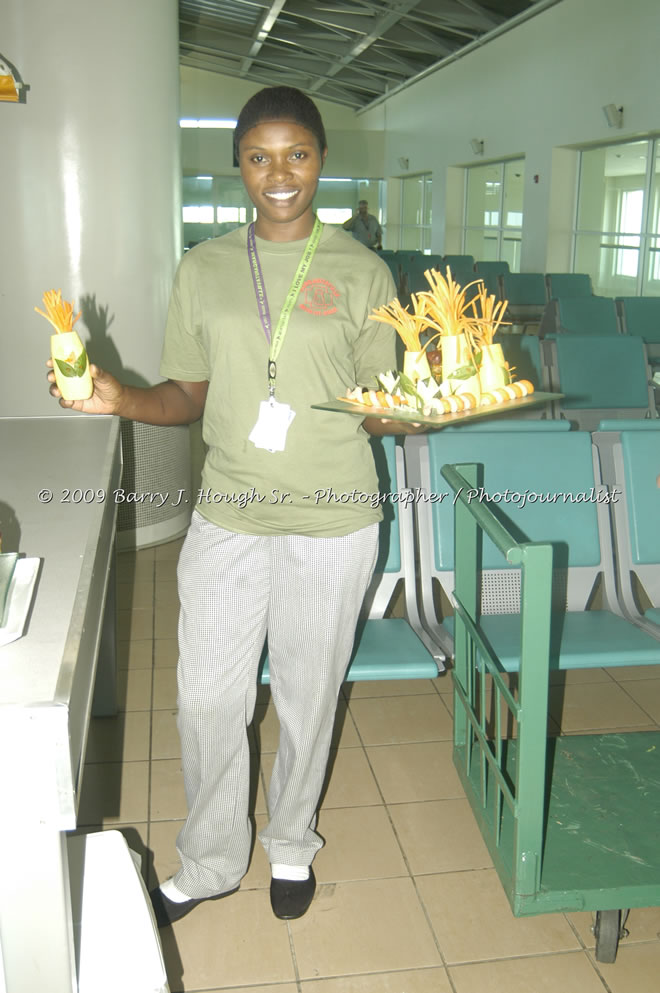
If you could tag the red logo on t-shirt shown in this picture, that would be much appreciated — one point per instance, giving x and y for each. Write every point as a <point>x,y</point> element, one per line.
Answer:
<point>318,297</point>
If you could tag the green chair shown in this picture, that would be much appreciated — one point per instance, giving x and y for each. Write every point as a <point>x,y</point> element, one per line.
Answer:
<point>601,377</point>
<point>640,316</point>
<point>415,269</point>
<point>630,463</point>
<point>391,647</point>
<point>587,316</point>
<point>526,294</point>
<point>580,315</point>
<point>563,285</point>
<point>487,268</point>
<point>458,261</point>
<point>543,486</point>
<point>394,266</point>
<point>523,352</point>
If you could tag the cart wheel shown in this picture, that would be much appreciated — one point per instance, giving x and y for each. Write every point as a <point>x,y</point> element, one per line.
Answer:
<point>607,931</point>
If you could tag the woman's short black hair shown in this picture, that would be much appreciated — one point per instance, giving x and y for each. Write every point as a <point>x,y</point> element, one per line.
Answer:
<point>280,103</point>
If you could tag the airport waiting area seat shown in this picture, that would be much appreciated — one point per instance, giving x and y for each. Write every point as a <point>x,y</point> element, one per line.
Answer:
<point>630,463</point>
<point>461,262</point>
<point>389,647</point>
<point>491,282</point>
<point>568,284</point>
<point>544,486</point>
<point>587,316</point>
<point>488,268</point>
<point>414,270</point>
<point>394,266</point>
<point>472,283</point>
<point>582,315</point>
<point>526,295</point>
<point>640,316</point>
<point>601,377</point>
<point>526,358</point>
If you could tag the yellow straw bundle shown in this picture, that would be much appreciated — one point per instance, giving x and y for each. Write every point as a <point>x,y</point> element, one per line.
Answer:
<point>446,310</point>
<point>408,326</point>
<point>59,312</point>
<point>488,316</point>
<point>446,303</point>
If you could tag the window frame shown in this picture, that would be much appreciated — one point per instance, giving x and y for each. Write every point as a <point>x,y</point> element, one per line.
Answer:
<point>499,232</point>
<point>647,249</point>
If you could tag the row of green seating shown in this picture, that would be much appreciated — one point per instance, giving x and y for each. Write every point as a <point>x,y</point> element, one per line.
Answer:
<point>634,316</point>
<point>527,292</point>
<point>520,457</point>
<point>594,497</point>
<point>572,308</point>
<point>598,376</point>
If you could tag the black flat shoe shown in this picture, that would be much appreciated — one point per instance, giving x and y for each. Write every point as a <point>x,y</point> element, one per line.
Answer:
<point>167,911</point>
<point>290,898</point>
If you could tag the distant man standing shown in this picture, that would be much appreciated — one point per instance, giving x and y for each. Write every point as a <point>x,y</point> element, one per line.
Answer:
<point>365,227</point>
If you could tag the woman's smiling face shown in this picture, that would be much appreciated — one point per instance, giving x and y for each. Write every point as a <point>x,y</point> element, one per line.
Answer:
<point>280,166</point>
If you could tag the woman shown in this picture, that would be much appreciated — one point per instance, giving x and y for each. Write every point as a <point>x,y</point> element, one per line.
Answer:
<point>263,323</point>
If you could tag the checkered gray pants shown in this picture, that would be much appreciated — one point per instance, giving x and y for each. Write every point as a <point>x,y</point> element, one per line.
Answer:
<point>306,593</point>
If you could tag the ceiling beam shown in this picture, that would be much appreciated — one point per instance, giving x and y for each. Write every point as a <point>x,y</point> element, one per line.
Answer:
<point>354,99</point>
<point>264,27</point>
<point>303,65</point>
<point>485,20</point>
<point>380,25</point>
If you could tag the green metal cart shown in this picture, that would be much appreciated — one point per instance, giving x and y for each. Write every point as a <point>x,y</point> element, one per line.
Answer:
<point>571,822</point>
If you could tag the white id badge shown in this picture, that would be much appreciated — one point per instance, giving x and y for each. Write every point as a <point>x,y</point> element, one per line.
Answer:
<point>272,425</point>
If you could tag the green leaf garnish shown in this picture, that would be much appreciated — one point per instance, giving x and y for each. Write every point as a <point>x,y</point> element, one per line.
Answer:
<point>73,369</point>
<point>463,372</point>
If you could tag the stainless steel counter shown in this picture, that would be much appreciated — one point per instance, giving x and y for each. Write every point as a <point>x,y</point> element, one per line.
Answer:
<point>47,677</point>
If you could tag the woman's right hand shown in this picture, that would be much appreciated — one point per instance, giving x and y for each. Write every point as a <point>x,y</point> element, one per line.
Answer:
<point>105,399</point>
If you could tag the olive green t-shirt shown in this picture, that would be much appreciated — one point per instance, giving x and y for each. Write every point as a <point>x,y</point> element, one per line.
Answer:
<point>324,482</point>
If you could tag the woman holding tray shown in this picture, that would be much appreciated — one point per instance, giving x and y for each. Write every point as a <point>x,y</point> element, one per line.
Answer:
<point>263,323</point>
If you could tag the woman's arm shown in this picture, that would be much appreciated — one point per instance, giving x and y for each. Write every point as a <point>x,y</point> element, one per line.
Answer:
<point>169,403</point>
<point>380,426</point>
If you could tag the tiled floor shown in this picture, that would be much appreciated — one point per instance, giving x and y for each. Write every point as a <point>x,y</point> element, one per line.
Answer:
<point>408,900</point>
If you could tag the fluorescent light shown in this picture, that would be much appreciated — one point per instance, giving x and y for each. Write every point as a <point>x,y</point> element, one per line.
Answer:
<point>203,177</point>
<point>216,124</point>
<point>325,179</point>
<point>190,122</point>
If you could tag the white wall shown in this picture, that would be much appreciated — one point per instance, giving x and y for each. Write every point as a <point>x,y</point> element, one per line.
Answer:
<point>530,92</point>
<point>90,186</point>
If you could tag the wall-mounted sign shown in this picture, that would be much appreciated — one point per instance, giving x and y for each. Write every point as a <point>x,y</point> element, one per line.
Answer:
<point>12,87</point>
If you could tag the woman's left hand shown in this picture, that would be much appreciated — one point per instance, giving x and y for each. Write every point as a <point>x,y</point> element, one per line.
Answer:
<point>383,425</point>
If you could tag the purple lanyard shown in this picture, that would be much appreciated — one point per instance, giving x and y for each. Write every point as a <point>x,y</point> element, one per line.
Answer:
<point>258,282</point>
<point>275,341</point>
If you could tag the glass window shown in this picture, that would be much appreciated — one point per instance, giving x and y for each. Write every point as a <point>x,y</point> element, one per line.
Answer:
<point>427,201</point>
<point>416,210</point>
<point>617,218</point>
<point>334,215</point>
<point>214,205</point>
<point>231,215</point>
<point>494,212</point>
<point>484,190</point>
<point>198,214</point>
